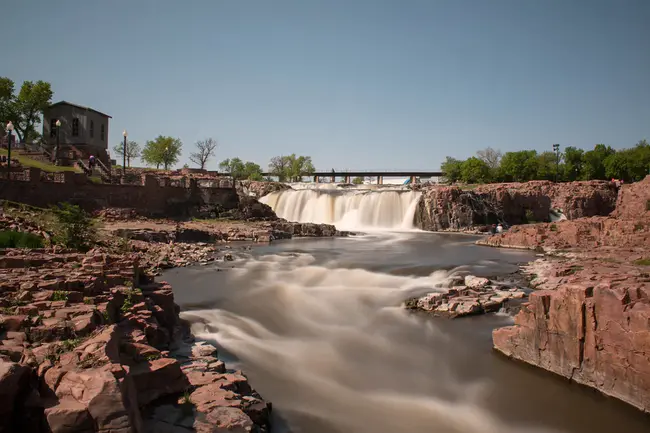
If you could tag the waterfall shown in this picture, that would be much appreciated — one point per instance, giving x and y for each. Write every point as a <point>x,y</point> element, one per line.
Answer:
<point>351,209</point>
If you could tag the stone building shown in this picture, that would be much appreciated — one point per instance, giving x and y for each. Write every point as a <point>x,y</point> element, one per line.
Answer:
<point>83,131</point>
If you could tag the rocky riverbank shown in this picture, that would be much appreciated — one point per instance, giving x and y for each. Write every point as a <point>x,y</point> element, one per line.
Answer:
<point>589,319</point>
<point>450,208</point>
<point>89,342</point>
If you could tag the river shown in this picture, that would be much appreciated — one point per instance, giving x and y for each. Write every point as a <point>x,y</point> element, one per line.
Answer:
<point>317,326</point>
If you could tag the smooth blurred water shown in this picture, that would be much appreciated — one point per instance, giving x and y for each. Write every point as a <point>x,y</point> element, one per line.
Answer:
<point>317,326</point>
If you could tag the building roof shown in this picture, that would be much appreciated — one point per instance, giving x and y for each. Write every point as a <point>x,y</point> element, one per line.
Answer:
<point>80,106</point>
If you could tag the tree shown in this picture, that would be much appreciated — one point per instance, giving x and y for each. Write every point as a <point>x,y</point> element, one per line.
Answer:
<point>546,166</point>
<point>491,157</point>
<point>357,181</point>
<point>519,166</point>
<point>594,162</point>
<point>240,170</point>
<point>475,170</point>
<point>24,110</point>
<point>132,151</point>
<point>205,151</point>
<point>451,168</point>
<point>572,163</point>
<point>291,167</point>
<point>163,151</point>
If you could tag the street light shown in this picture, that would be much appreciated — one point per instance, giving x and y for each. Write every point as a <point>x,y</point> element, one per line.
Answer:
<point>56,148</point>
<point>10,130</point>
<point>125,134</point>
<point>556,149</point>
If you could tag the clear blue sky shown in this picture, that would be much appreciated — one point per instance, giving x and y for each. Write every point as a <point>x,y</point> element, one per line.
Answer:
<point>356,84</point>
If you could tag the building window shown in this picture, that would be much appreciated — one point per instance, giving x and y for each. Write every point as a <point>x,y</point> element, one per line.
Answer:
<point>75,127</point>
<point>92,129</point>
<point>53,128</point>
<point>102,133</point>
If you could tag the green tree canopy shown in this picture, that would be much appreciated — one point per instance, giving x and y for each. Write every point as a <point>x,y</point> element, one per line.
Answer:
<point>519,166</point>
<point>475,170</point>
<point>163,151</point>
<point>452,169</point>
<point>25,109</point>
<point>240,170</point>
<point>593,162</point>
<point>291,168</point>
<point>357,181</point>
<point>572,163</point>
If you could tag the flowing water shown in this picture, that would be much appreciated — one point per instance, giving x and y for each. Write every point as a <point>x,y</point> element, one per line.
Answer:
<point>317,326</point>
<point>348,209</point>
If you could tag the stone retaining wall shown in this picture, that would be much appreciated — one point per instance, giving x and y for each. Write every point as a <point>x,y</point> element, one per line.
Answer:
<point>154,196</point>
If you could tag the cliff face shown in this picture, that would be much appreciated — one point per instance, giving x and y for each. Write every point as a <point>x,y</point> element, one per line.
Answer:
<point>591,325</point>
<point>450,208</point>
<point>590,320</point>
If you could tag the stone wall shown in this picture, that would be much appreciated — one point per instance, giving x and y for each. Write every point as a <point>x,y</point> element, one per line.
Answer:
<point>152,197</point>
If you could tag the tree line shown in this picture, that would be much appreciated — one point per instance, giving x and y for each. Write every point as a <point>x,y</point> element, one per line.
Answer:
<point>165,152</point>
<point>601,163</point>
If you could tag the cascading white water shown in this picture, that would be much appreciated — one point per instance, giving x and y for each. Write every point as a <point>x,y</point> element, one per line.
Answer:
<point>347,209</point>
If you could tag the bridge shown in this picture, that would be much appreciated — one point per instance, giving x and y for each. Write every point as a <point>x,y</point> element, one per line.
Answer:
<point>379,174</point>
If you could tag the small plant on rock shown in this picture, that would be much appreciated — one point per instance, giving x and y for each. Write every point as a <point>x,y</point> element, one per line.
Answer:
<point>60,296</point>
<point>74,228</point>
<point>127,304</point>
<point>553,227</point>
<point>642,262</point>
<point>530,217</point>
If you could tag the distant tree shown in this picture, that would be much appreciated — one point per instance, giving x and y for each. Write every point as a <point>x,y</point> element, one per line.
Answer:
<point>291,167</point>
<point>240,170</point>
<point>451,168</point>
<point>475,170</point>
<point>572,163</point>
<point>163,151</point>
<point>24,110</point>
<point>357,181</point>
<point>279,166</point>
<point>519,166</point>
<point>132,151</point>
<point>594,162</point>
<point>491,157</point>
<point>205,151</point>
<point>546,166</point>
<point>253,171</point>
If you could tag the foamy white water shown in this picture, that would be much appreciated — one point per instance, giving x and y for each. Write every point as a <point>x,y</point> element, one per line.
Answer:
<point>326,334</point>
<point>352,209</point>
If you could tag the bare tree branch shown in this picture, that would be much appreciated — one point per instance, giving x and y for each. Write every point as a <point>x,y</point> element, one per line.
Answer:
<point>205,150</point>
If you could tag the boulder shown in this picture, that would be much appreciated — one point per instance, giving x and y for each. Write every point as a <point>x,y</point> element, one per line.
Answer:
<point>158,378</point>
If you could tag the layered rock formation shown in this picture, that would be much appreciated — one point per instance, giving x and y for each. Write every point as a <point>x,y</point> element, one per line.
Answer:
<point>451,208</point>
<point>590,319</point>
<point>90,344</point>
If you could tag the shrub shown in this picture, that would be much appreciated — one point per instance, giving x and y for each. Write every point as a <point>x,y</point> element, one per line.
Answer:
<point>74,228</point>
<point>13,239</point>
<point>60,296</point>
<point>553,227</point>
<point>530,216</point>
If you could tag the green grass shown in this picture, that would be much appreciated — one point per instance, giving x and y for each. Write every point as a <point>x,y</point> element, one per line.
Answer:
<point>28,162</point>
<point>642,262</point>
<point>12,239</point>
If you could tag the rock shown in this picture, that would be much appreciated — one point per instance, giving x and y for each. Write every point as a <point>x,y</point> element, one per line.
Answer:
<point>14,383</point>
<point>476,282</point>
<point>12,323</point>
<point>158,378</point>
<point>225,419</point>
<point>69,416</point>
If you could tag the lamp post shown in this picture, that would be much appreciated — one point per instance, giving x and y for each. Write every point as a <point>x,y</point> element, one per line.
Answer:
<point>10,130</point>
<point>125,134</point>
<point>556,149</point>
<point>56,148</point>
